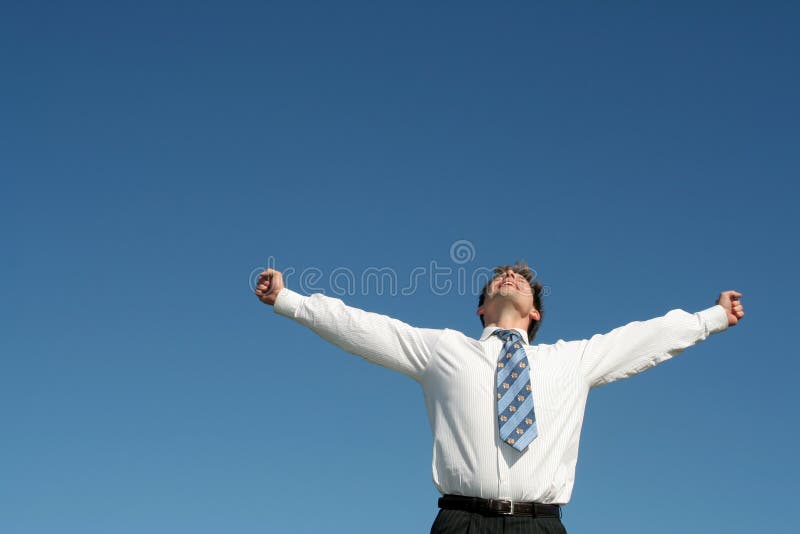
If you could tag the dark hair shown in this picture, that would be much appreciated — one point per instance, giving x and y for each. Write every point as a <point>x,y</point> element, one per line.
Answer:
<point>522,268</point>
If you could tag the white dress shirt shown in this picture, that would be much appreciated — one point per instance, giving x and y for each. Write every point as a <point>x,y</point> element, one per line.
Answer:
<point>457,375</point>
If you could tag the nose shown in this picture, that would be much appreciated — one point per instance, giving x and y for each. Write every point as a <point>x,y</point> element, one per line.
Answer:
<point>508,275</point>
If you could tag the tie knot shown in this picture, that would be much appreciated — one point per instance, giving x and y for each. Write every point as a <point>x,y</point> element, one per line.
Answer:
<point>507,335</point>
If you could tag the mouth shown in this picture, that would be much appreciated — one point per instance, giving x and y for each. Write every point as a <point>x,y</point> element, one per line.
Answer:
<point>512,285</point>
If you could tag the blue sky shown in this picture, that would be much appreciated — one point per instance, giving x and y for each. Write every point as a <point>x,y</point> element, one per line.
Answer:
<point>640,156</point>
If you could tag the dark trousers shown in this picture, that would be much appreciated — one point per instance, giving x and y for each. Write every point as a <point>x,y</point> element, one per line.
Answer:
<point>458,522</point>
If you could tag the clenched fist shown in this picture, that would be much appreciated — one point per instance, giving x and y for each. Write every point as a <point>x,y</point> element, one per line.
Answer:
<point>270,283</point>
<point>730,301</point>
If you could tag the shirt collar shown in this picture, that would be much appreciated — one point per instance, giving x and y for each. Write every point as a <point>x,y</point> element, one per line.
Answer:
<point>489,330</point>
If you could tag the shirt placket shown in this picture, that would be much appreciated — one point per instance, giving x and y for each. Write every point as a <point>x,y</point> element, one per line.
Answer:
<point>503,470</point>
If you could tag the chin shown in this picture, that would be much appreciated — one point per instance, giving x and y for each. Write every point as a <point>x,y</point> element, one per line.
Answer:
<point>507,291</point>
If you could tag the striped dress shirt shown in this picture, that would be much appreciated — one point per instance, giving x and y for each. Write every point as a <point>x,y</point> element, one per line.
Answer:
<point>457,376</point>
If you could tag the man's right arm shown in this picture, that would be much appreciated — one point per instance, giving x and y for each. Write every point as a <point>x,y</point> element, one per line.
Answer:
<point>377,338</point>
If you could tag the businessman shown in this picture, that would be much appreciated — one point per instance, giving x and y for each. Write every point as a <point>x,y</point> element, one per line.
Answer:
<point>505,414</point>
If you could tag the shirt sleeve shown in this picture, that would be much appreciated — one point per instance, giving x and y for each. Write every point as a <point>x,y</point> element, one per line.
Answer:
<point>377,338</point>
<point>640,345</point>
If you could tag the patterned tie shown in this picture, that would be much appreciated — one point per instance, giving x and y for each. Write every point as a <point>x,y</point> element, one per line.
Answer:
<point>515,415</point>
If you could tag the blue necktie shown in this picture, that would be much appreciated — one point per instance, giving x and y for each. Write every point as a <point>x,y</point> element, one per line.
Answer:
<point>515,415</point>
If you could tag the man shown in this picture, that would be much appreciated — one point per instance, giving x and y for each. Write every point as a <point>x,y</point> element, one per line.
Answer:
<point>506,415</point>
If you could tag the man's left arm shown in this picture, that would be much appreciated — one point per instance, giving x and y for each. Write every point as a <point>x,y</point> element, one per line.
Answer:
<point>640,345</point>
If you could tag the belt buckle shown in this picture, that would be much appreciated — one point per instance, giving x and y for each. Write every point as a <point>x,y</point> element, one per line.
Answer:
<point>500,510</point>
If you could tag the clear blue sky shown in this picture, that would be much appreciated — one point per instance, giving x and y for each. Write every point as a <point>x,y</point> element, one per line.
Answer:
<point>641,156</point>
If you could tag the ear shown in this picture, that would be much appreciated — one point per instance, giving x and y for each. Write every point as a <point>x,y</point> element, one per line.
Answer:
<point>534,315</point>
<point>481,310</point>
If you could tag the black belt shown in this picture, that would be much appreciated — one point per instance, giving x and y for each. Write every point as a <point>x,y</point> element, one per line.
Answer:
<point>498,506</point>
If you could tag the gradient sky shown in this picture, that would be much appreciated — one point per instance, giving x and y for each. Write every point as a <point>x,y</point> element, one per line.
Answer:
<point>641,156</point>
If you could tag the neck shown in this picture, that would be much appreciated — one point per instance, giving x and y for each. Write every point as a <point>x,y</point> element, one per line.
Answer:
<point>507,319</point>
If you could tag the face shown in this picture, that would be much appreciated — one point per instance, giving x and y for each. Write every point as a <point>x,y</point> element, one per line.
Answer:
<point>510,284</point>
<point>510,287</point>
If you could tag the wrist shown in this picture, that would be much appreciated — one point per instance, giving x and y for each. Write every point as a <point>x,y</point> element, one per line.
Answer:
<point>715,318</point>
<point>287,301</point>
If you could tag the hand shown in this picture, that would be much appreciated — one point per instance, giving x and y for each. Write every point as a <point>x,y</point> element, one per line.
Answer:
<point>270,283</point>
<point>730,301</point>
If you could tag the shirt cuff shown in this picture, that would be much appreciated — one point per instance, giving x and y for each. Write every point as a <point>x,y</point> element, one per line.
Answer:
<point>715,319</point>
<point>287,302</point>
